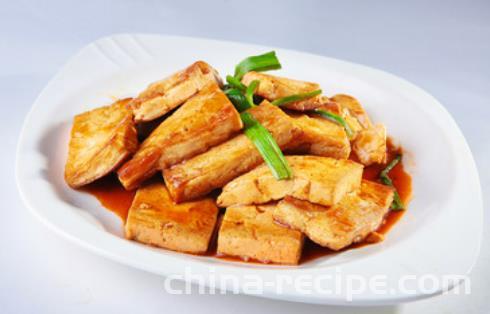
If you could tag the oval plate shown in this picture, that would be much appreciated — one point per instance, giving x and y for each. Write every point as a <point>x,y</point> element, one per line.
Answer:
<point>438,236</point>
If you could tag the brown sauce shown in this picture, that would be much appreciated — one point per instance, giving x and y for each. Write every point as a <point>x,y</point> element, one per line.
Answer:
<point>112,195</point>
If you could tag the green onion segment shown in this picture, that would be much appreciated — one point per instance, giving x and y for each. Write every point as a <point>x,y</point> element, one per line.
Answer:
<point>242,98</point>
<point>249,92</point>
<point>267,146</point>
<point>335,118</point>
<point>238,99</point>
<point>296,97</point>
<point>235,83</point>
<point>264,62</point>
<point>385,179</point>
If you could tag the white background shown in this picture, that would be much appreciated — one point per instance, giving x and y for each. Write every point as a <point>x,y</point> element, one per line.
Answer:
<point>442,46</point>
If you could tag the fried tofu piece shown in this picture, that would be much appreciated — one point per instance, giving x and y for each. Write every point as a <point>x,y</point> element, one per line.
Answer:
<point>354,107</point>
<point>213,169</point>
<point>352,122</point>
<point>163,96</point>
<point>330,106</point>
<point>336,227</point>
<point>249,232</point>
<point>205,120</point>
<point>154,219</point>
<point>342,105</point>
<point>274,87</point>
<point>101,139</point>
<point>320,180</point>
<point>370,145</point>
<point>322,137</point>
<point>369,141</point>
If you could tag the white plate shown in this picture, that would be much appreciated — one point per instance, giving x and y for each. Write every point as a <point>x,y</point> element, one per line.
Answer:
<point>438,236</point>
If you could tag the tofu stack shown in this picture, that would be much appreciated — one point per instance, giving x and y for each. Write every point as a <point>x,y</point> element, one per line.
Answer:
<point>205,120</point>
<point>199,148</point>
<point>326,200</point>
<point>213,169</point>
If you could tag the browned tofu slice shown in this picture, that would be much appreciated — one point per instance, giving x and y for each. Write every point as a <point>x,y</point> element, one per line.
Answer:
<point>165,95</point>
<point>352,122</point>
<point>344,105</point>
<point>274,87</point>
<point>320,180</point>
<point>349,221</point>
<point>369,141</point>
<point>101,139</point>
<point>322,137</point>
<point>330,106</point>
<point>213,169</point>
<point>205,120</point>
<point>370,145</point>
<point>249,232</point>
<point>354,107</point>
<point>154,219</point>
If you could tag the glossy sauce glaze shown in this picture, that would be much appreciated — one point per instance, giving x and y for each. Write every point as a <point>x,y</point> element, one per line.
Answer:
<point>112,195</point>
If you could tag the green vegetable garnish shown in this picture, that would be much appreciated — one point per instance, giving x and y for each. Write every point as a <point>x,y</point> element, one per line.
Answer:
<point>249,92</point>
<point>335,118</point>
<point>242,98</point>
<point>296,97</point>
<point>385,179</point>
<point>238,99</point>
<point>235,83</point>
<point>267,146</point>
<point>265,62</point>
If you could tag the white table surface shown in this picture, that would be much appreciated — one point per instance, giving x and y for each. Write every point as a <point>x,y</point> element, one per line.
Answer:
<point>442,46</point>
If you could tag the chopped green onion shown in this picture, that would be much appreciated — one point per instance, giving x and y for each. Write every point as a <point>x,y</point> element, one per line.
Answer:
<point>267,146</point>
<point>265,62</point>
<point>296,97</point>
<point>391,165</point>
<point>335,118</point>
<point>242,98</point>
<point>235,83</point>
<point>249,92</point>
<point>385,179</point>
<point>238,99</point>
